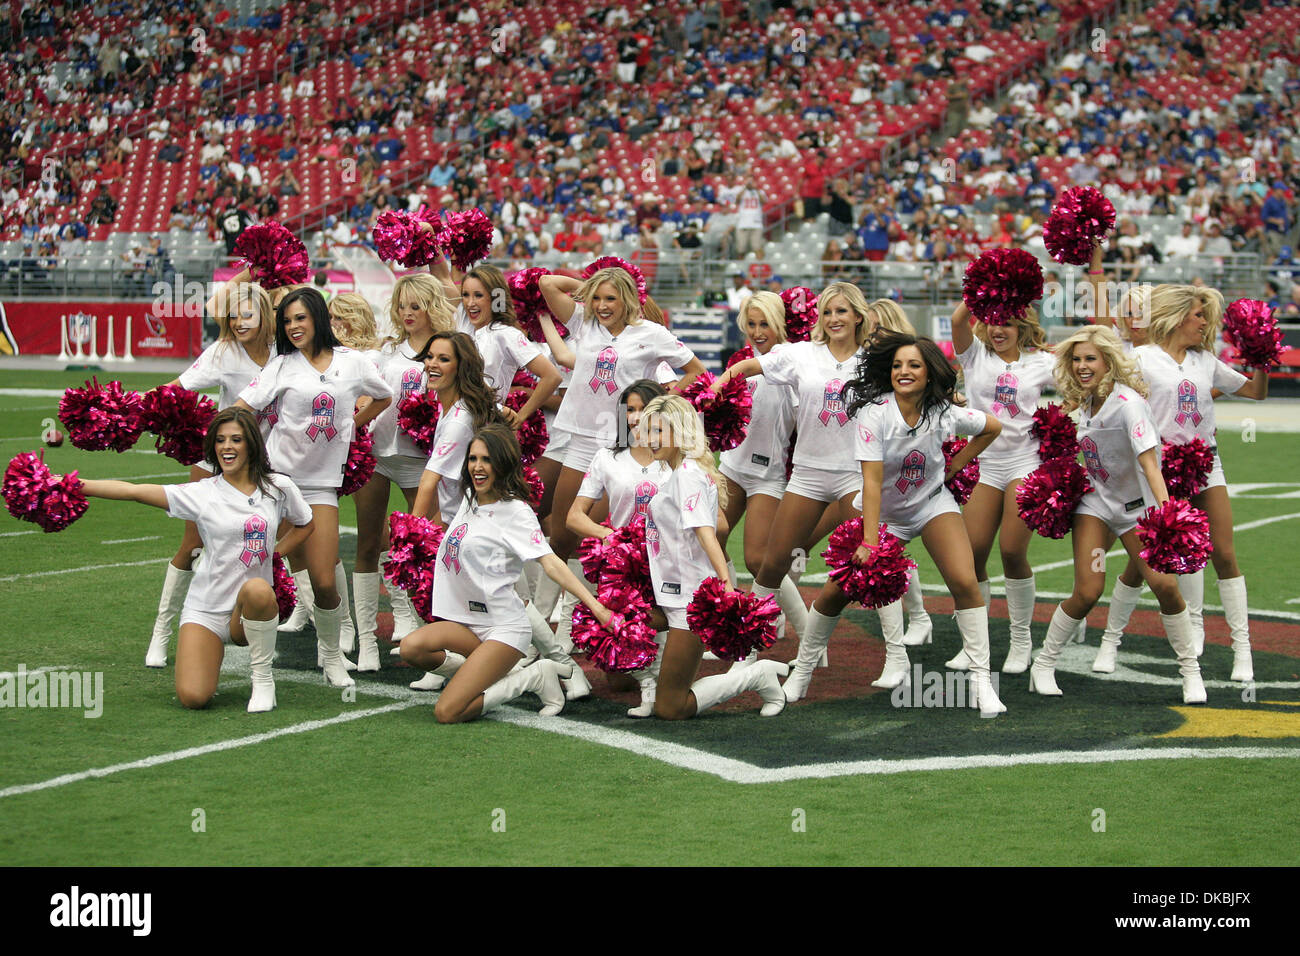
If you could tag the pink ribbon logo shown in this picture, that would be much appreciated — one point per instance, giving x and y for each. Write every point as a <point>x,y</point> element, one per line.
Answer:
<point>1188,407</point>
<point>1004,395</point>
<point>451,557</point>
<point>832,404</point>
<point>651,535</point>
<point>606,364</point>
<point>254,541</point>
<point>410,383</point>
<point>269,415</point>
<point>644,492</point>
<point>912,472</point>
<point>322,417</point>
<point>1092,459</point>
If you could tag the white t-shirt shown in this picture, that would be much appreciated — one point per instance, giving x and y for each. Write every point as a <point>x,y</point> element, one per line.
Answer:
<point>405,377</point>
<point>762,453</point>
<point>309,441</point>
<point>1180,394</point>
<point>912,463</point>
<point>608,364</point>
<point>450,446</point>
<point>238,533</point>
<point>505,350</point>
<point>630,485</point>
<point>1008,391</point>
<point>1111,441</point>
<point>750,214</point>
<point>223,365</point>
<point>811,372</point>
<point>678,564</point>
<point>480,560</point>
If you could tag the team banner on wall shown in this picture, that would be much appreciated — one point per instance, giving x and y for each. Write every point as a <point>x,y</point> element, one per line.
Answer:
<point>104,330</point>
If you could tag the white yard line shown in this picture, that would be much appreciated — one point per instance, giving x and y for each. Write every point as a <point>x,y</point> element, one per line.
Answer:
<point>15,534</point>
<point>152,537</point>
<point>89,567</point>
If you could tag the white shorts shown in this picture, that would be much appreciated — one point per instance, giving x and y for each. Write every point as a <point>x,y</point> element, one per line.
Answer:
<point>1001,472</point>
<point>911,523</point>
<point>218,624</point>
<point>676,617</point>
<point>772,487</point>
<point>402,470</point>
<point>1119,521</point>
<point>1216,479</point>
<point>203,464</point>
<point>556,447</point>
<point>582,449</point>
<point>517,635</point>
<point>821,485</point>
<point>320,496</point>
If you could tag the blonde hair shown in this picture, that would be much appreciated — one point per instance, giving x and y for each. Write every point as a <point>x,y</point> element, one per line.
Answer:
<point>261,300</point>
<point>687,430</point>
<point>890,316</point>
<point>427,293</point>
<point>1029,334</point>
<point>1171,304</point>
<point>358,320</point>
<point>651,312</point>
<point>1119,367</point>
<point>1138,302</point>
<point>770,307</point>
<point>857,305</point>
<point>624,288</point>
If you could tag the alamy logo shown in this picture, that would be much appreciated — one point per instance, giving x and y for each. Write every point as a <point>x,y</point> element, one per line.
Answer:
<point>77,909</point>
<point>49,687</point>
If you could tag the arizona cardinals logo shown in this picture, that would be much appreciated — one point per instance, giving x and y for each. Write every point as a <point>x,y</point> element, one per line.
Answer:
<point>322,417</point>
<point>537,537</point>
<point>865,435</point>
<point>254,541</point>
<point>832,404</point>
<point>451,556</point>
<point>1189,408</point>
<point>442,450</point>
<point>912,473</point>
<point>1092,459</point>
<point>606,365</point>
<point>1004,395</point>
<point>692,501</point>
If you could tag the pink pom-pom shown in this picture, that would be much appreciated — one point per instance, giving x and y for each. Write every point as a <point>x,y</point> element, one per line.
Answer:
<point>99,417</point>
<point>286,590</point>
<point>627,643</point>
<point>800,312</point>
<point>536,487</point>
<point>524,379</point>
<point>530,304</point>
<point>465,238</point>
<point>1046,499</point>
<point>180,418</point>
<point>882,579</point>
<point>732,623</point>
<point>740,355</point>
<point>1176,537</point>
<point>412,550</point>
<point>418,416</point>
<point>532,434</point>
<point>1080,217</point>
<point>360,465</point>
<point>963,483</point>
<point>394,234</point>
<point>726,414</point>
<point>1001,284</point>
<point>619,559</point>
<point>1186,467</point>
<point>1250,327</point>
<point>591,555</point>
<point>614,262</point>
<point>32,493</point>
<point>274,255</point>
<point>1056,433</point>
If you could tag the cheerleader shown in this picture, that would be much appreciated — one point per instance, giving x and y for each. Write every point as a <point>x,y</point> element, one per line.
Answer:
<point>232,598</point>
<point>1184,376</point>
<point>313,384</point>
<point>246,324</point>
<point>905,403</point>
<point>482,629</point>
<point>682,542</point>
<point>627,477</point>
<point>1006,368</point>
<point>1121,450</point>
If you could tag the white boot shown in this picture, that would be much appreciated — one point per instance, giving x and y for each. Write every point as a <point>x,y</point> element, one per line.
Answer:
<point>547,596</point>
<point>1123,600</point>
<point>920,629</point>
<point>365,585</point>
<point>261,652</point>
<point>795,611</point>
<point>1081,632</point>
<point>526,586</point>
<point>436,678</point>
<point>564,627</point>
<point>1192,588</point>
<point>405,618</point>
<point>1178,628</point>
<point>760,676</point>
<point>961,660</point>
<point>815,638</point>
<point>576,685</point>
<point>302,602</point>
<point>1020,609</point>
<point>347,630</point>
<point>327,644</point>
<point>1232,593</point>
<point>897,666</point>
<point>1042,676</point>
<point>973,622</point>
<point>176,585</point>
<point>649,680</point>
<point>542,679</point>
<point>782,597</point>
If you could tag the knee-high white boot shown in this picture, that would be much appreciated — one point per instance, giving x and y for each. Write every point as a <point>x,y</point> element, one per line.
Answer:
<point>1192,588</point>
<point>823,658</point>
<point>811,645</point>
<point>791,601</point>
<point>302,602</point>
<point>648,678</point>
<point>761,676</point>
<point>1178,628</point>
<point>542,678</point>
<point>365,585</point>
<point>261,652</point>
<point>897,666</point>
<point>1232,593</point>
<point>973,622</point>
<point>961,660</point>
<point>1042,676</point>
<point>436,678</point>
<point>546,596</point>
<point>347,630</point>
<point>176,584</point>
<point>564,627</point>
<point>328,623</point>
<point>1123,601</point>
<point>920,629</point>
<point>1020,609</point>
<point>548,646</point>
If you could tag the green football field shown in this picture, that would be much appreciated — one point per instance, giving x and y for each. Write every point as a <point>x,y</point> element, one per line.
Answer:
<point>847,777</point>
